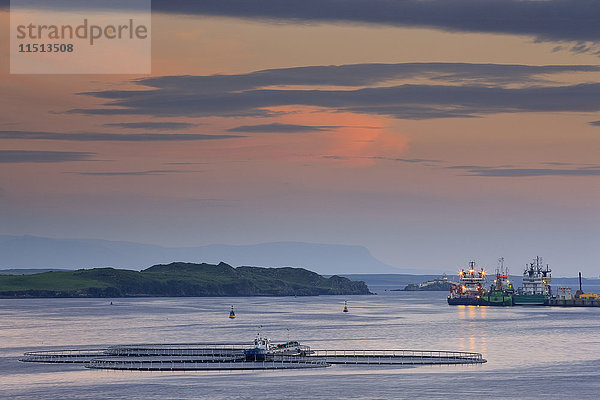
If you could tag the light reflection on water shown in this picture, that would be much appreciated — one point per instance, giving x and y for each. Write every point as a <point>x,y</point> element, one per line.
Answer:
<point>522,345</point>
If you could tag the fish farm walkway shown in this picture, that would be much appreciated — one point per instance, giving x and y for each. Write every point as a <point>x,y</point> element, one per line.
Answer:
<point>205,357</point>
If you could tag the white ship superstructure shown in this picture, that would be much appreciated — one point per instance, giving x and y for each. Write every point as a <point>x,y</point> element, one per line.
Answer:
<point>536,279</point>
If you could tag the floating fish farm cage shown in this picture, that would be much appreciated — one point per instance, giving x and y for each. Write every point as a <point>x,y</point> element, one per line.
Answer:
<point>207,357</point>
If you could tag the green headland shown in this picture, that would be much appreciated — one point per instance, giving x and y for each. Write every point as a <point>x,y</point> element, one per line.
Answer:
<point>177,280</point>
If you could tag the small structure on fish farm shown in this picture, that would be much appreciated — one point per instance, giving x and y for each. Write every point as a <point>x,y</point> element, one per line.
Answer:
<point>228,356</point>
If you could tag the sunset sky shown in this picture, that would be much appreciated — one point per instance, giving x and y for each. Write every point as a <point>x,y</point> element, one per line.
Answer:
<point>432,132</point>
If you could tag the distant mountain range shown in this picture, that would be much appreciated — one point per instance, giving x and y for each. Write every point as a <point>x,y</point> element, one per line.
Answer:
<point>25,252</point>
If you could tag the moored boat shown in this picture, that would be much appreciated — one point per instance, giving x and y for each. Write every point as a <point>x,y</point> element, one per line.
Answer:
<point>262,348</point>
<point>501,291</point>
<point>469,289</point>
<point>536,288</point>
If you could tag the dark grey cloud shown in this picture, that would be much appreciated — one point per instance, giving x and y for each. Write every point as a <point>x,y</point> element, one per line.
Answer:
<point>545,20</point>
<point>281,128</point>
<point>560,163</point>
<point>350,75</point>
<point>185,163</point>
<point>244,95</point>
<point>83,6</point>
<point>395,159</point>
<point>152,125</point>
<point>553,20</point>
<point>113,137</point>
<point>40,156</point>
<point>595,123</point>
<point>131,173</point>
<point>502,172</point>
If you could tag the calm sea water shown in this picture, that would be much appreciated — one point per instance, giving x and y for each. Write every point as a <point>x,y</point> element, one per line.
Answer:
<point>532,352</point>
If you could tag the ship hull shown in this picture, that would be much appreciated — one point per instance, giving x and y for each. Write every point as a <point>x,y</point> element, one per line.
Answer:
<point>255,355</point>
<point>497,299</point>
<point>463,301</point>
<point>529,299</point>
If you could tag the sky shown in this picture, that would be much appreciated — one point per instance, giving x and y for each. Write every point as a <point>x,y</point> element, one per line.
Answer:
<point>432,132</point>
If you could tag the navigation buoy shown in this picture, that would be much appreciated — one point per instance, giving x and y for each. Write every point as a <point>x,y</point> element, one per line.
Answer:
<point>345,306</point>
<point>231,313</point>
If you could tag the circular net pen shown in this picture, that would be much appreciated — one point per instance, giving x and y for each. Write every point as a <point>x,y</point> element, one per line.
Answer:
<point>195,364</point>
<point>210,356</point>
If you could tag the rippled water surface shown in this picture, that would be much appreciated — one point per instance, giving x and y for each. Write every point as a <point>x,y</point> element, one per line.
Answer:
<point>532,352</point>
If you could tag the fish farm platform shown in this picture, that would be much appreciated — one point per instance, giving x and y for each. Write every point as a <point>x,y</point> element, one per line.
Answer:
<point>573,302</point>
<point>207,357</point>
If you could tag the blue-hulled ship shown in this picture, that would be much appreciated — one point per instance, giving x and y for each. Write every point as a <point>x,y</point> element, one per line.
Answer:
<point>469,289</point>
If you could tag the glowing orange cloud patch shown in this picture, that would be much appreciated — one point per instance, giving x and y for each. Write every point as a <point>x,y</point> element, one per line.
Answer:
<point>342,138</point>
<point>358,140</point>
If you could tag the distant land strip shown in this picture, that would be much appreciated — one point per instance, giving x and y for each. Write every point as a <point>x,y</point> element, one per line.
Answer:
<point>178,280</point>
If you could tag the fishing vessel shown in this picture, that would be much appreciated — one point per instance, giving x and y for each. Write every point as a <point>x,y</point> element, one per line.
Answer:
<point>501,291</point>
<point>262,348</point>
<point>469,289</point>
<point>536,285</point>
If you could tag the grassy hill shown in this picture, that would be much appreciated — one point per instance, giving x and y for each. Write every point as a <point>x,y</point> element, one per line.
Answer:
<point>178,279</point>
